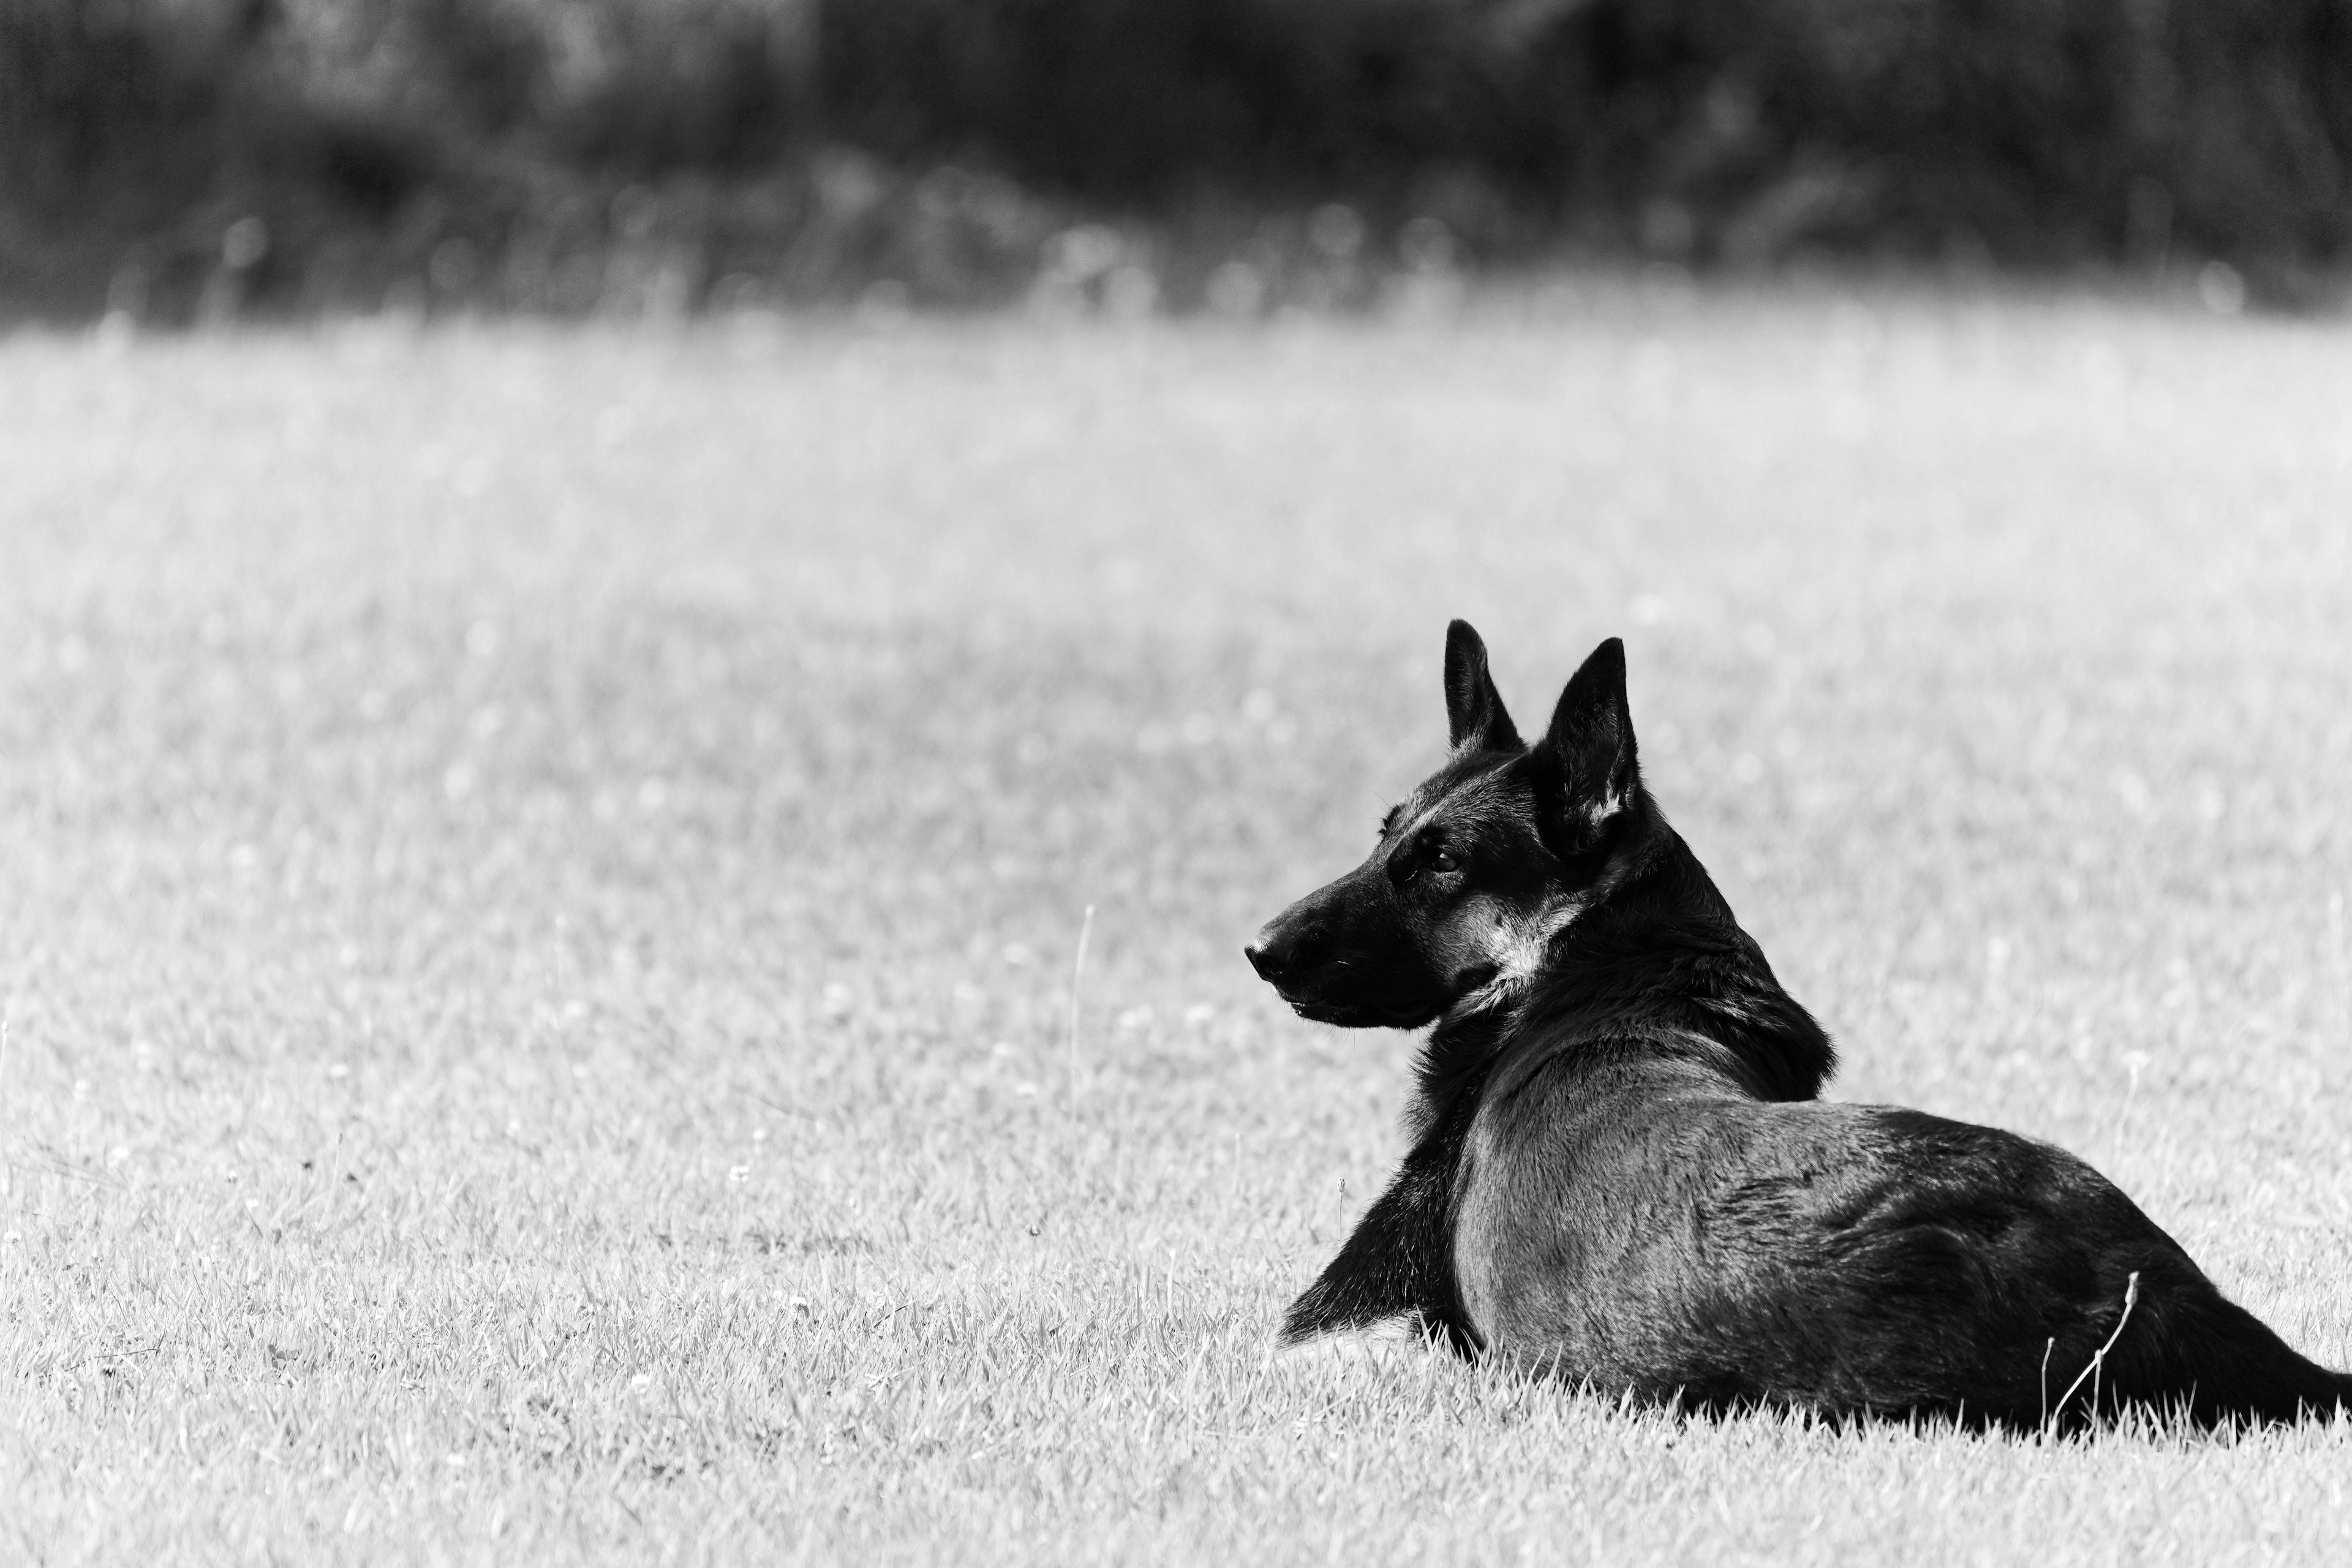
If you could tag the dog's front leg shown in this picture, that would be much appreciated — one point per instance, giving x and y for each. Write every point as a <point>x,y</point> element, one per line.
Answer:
<point>1383,1343</point>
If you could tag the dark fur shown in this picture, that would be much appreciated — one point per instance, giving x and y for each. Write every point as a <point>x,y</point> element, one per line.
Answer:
<point>1622,1173</point>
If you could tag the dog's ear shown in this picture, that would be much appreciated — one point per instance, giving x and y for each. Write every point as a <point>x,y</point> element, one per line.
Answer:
<point>1589,746</point>
<point>1474,719</point>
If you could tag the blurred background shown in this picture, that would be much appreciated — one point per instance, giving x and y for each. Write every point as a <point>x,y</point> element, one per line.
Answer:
<point>181,160</point>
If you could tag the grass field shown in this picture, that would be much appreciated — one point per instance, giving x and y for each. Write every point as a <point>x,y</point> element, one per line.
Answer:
<point>540,877</point>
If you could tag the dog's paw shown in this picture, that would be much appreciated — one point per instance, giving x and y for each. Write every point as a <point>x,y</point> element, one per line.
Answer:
<point>1386,1343</point>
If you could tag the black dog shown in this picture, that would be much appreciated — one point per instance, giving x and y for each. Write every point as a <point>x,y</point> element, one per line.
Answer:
<point>1622,1173</point>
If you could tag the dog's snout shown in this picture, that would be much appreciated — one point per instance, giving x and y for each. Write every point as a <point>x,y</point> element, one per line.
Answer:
<point>1340,955</point>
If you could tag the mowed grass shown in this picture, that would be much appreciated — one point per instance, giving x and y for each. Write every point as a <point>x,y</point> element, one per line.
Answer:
<point>540,877</point>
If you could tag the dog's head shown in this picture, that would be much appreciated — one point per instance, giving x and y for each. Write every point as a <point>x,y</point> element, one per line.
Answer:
<point>1496,853</point>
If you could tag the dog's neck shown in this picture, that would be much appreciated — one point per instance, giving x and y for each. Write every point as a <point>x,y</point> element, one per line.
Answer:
<point>1653,951</point>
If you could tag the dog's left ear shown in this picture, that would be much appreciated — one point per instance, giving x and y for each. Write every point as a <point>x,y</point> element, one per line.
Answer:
<point>1591,743</point>
<point>1474,719</point>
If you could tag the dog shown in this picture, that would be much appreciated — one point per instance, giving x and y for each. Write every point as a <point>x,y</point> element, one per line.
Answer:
<point>1621,1174</point>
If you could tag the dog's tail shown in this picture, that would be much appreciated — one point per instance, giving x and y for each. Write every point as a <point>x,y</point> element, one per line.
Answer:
<point>2259,1377</point>
<point>2298,1389</point>
<point>2325,1397</point>
<point>2201,1357</point>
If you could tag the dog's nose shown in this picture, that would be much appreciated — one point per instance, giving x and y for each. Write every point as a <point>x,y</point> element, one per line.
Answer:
<point>1273,953</point>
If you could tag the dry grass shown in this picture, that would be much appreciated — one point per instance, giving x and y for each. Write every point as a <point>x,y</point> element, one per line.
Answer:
<point>539,877</point>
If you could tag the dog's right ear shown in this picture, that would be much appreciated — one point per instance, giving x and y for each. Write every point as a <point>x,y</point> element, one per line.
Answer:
<point>1474,719</point>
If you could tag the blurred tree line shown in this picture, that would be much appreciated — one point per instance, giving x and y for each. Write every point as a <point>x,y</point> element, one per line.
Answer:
<point>169,157</point>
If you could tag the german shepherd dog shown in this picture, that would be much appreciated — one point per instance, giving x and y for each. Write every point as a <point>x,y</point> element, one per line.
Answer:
<point>1620,1173</point>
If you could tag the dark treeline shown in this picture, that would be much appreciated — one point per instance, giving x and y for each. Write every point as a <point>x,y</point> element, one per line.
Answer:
<point>170,156</point>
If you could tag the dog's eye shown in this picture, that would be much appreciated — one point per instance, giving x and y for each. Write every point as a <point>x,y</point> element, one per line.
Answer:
<point>1444,861</point>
